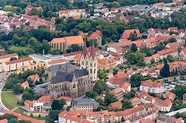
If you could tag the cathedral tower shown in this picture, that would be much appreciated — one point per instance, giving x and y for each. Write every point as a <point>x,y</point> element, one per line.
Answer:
<point>84,58</point>
<point>92,68</point>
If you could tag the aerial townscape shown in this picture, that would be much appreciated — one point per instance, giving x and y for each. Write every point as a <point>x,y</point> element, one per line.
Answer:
<point>92,61</point>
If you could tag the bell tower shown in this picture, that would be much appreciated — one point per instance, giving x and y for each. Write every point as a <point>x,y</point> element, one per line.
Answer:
<point>84,58</point>
<point>92,68</point>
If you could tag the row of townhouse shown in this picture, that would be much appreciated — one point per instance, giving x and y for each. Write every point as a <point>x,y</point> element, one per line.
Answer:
<point>162,105</point>
<point>136,114</point>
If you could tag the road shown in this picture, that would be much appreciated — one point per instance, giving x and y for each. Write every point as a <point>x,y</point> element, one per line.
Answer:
<point>3,76</point>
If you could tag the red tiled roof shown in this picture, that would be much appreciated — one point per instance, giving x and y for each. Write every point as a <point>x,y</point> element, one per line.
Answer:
<point>9,56</point>
<point>18,60</point>
<point>65,98</point>
<point>150,83</point>
<point>44,99</point>
<point>70,40</point>
<point>117,91</point>
<point>57,61</point>
<point>148,120</point>
<point>22,117</point>
<point>25,84</point>
<point>170,95</point>
<point>126,33</point>
<point>135,100</point>
<point>95,35</point>
<point>121,75</point>
<point>117,104</point>
<point>34,77</point>
<point>4,121</point>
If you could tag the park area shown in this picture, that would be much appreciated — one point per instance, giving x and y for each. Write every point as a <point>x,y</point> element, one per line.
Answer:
<point>9,100</point>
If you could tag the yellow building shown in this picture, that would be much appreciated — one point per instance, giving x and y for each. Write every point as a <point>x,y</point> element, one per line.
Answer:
<point>16,64</point>
<point>7,57</point>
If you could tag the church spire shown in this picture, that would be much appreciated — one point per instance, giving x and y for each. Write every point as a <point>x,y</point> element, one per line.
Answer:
<point>84,52</point>
<point>92,53</point>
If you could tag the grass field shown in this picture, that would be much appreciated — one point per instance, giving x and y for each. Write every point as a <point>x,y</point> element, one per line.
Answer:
<point>8,99</point>
<point>19,110</point>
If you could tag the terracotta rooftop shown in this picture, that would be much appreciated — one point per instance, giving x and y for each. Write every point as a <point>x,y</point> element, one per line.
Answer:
<point>53,62</point>
<point>44,99</point>
<point>135,100</point>
<point>70,40</point>
<point>126,33</point>
<point>150,83</point>
<point>4,121</point>
<point>19,60</point>
<point>148,120</point>
<point>117,104</point>
<point>65,98</point>
<point>95,35</point>
<point>25,84</point>
<point>121,75</point>
<point>22,117</point>
<point>9,56</point>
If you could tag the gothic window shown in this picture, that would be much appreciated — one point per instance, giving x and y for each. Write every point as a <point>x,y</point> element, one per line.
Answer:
<point>82,63</point>
<point>90,64</point>
<point>94,64</point>
<point>90,70</point>
<point>74,85</point>
<point>94,70</point>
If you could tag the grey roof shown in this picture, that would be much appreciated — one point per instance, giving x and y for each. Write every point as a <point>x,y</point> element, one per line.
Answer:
<point>58,67</point>
<point>62,76</point>
<point>165,118</point>
<point>46,57</point>
<point>84,102</point>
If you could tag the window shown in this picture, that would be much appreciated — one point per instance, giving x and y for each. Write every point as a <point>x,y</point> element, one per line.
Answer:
<point>90,64</point>
<point>90,70</point>
<point>82,63</point>
<point>74,85</point>
<point>86,63</point>
<point>94,64</point>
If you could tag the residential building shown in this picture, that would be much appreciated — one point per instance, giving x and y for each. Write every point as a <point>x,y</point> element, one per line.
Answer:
<point>67,99</point>
<point>162,105</point>
<point>74,83</point>
<point>86,104</point>
<point>103,116</point>
<point>45,99</point>
<point>65,42</point>
<point>152,87</point>
<point>167,119</point>
<point>137,113</point>
<point>7,57</point>
<point>25,85</point>
<point>34,77</point>
<point>96,36</point>
<point>135,101</point>
<point>126,33</point>
<point>170,95</point>
<point>74,13</point>
<point>16,64</point>
<point>33,105</point>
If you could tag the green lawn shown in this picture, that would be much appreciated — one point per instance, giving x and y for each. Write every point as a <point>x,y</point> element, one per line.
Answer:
<point>9,100</point>
<point>19,110</point>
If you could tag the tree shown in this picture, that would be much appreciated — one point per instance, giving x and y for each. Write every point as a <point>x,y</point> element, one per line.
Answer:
<point>115,71</point>
<point>130,95</point>
<point>58,104</point>
<point>102,74</point>
<point>135,80</point>
<point>170,58</point>
<point>90,94</point>
<point>109,98</point>
<point>135,57</point>
<point>152,61</point>
<point>122,119</point>
<point>133,36</point>
<point>100,86</point>
<point>165,72</point>
<point>172,40</point>
<point>54,114</point>
<point>133,48</point>
<point>13,58</point>
<point>17,89</point>
<point>126,104</point>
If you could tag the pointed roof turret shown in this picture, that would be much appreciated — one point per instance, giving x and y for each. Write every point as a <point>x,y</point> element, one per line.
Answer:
<point>92,53</point>
<point>84,52</point>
